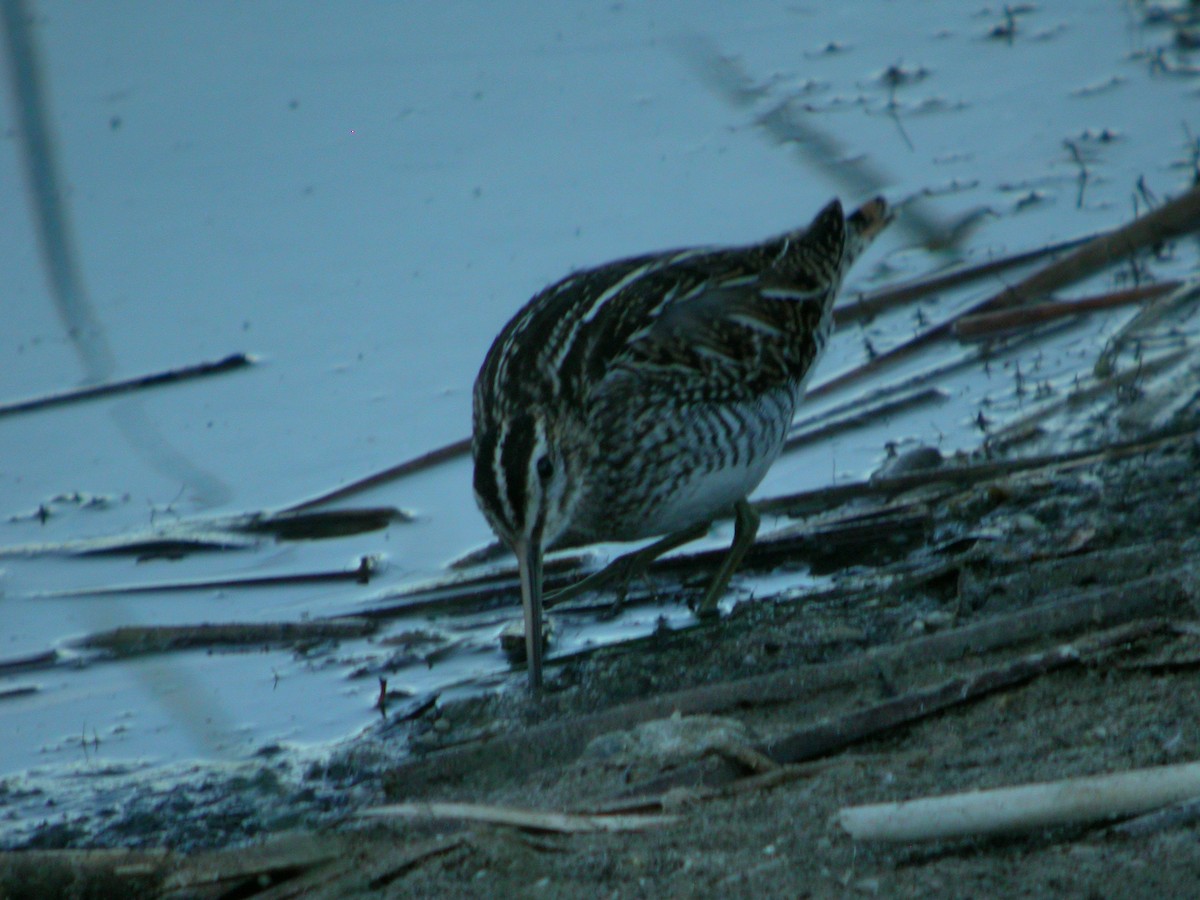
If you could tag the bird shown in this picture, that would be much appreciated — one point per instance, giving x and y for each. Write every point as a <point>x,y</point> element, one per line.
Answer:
<point>650,395</point>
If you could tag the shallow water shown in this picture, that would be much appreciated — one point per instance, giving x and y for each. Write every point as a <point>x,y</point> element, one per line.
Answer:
<point>362,196</point>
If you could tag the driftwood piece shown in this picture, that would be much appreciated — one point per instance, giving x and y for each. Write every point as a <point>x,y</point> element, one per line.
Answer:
<point>1071,801</point>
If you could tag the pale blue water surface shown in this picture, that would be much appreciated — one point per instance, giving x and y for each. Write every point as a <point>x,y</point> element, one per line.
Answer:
<point>362,194</point>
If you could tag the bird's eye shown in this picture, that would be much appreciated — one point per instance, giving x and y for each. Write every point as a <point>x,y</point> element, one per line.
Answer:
<point>545,468</point>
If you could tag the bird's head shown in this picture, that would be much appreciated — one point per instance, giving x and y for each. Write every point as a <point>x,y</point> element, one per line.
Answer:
<point>527,491</point>
<point>523,478</point>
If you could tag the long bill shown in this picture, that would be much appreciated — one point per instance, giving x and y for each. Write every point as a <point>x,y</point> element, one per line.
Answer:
<point>529,564</point>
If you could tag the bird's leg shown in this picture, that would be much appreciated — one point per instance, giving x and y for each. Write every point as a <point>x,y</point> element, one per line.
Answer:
<point>629,565</point>
<point>745,527</point>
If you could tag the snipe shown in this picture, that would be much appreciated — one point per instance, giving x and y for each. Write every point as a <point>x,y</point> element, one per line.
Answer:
<point>649,396</point>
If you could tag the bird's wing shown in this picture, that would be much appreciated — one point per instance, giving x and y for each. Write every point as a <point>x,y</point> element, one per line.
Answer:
<point>758,312</point>
<point>681,311</point>
<point>752,332</point>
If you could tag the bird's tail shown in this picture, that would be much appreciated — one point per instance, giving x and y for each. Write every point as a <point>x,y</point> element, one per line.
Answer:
<point>818,257</point>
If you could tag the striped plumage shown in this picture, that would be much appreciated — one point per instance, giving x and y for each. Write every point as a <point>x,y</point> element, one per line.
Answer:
<point>650,395</point>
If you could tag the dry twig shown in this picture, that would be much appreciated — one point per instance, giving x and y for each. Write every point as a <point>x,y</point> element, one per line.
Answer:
<point>95,391</point>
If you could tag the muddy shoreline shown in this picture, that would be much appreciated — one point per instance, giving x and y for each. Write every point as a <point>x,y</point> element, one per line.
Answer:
<point>1113,535</point>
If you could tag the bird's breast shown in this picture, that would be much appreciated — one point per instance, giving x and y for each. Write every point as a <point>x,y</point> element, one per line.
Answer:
<point>659,465</point>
